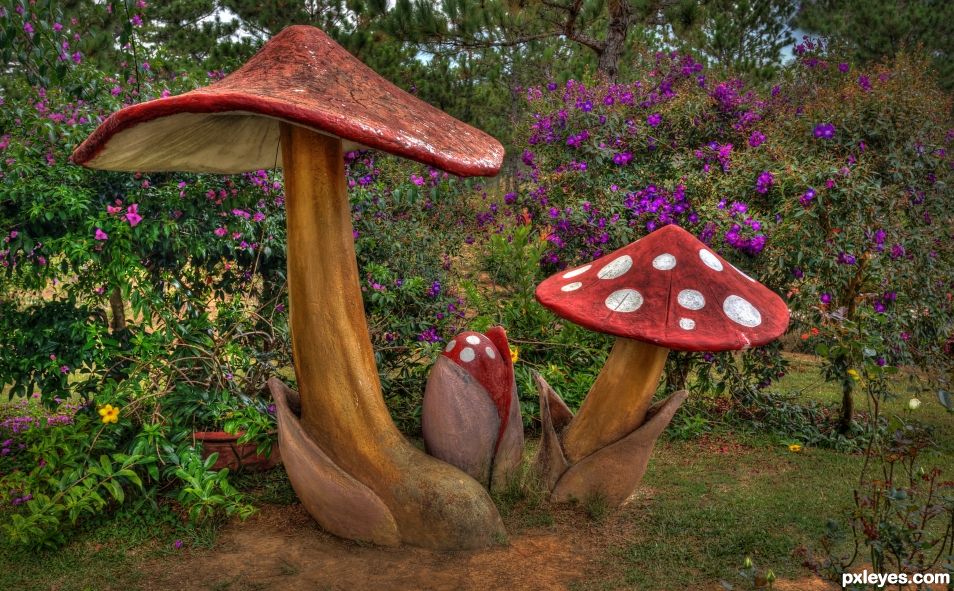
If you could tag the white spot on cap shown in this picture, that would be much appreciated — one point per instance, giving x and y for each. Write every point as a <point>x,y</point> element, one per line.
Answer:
<point>616,267</point>
<point>467,355</point>
<point>710,259</point>
<point>741,311</point>
<point>664,262</point>
<point>575,272</point>
<point>687,323</point>
<point>691,299</point>
<point>450,346</point>
<point>490,352</point>
<point>473,339</point>
<point>624,300</point>
<point>743,274</point>
<point>572,286</point>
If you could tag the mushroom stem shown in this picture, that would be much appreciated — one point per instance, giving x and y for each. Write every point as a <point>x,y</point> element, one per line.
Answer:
<point>434,504</point>
<point>618,400</point>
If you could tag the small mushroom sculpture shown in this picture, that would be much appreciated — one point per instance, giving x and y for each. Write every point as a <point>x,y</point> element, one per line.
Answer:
<point>298,104</point>
<point>471,414</point>
<point>665,291</point>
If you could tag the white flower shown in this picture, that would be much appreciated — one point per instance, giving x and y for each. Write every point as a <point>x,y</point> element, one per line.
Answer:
<point>914,403</point>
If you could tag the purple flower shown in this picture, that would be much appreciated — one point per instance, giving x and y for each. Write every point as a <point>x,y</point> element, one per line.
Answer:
<point>654,120</point>
<point>756,139</point>
<point>764,182</point>
<point>843,67</point>
<point>177,544</point>
<point>622,158</point>
<point>64,369</point>
<point>116,90</point>
<point>825,131</point>
<point>825,298</point>
<point>865,83</point>
<point>846,259</point>
<point>28,29</point>
<point>429,336</point>
<point>807,197</point>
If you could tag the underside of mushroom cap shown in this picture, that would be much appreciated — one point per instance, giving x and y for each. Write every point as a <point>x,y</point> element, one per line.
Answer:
<point>671,290</point>
<point>300,76</point>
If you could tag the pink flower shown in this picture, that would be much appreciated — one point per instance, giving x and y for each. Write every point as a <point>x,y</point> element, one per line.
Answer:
<point>220,231</point>
<point>113,209</point>
<point>100,235</point>
<point>116,91</point>
<point>132,215</point>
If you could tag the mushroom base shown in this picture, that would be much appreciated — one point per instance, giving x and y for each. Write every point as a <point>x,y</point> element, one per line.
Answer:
<point>611,473</point>
<point>618,401</point>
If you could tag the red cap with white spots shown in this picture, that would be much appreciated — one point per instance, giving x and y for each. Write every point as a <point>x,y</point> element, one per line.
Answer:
<point>487,358</point>
<point>671,290</point>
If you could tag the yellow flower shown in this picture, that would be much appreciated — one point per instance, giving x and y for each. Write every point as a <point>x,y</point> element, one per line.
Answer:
<point>853,374</point>
<point>514,354</point>
<point>109,413</point>
<point>795,448</point>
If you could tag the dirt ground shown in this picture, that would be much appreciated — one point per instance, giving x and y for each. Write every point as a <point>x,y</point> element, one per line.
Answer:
<point>281,548</point>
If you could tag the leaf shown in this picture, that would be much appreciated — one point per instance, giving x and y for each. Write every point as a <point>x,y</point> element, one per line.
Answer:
<point>115,490</point>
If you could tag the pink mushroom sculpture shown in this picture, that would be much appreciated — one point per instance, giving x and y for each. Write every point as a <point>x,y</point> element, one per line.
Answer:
<point>665,291</point>
<point>471,415</point>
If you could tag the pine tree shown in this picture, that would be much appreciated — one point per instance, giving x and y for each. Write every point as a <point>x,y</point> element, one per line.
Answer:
<point>746,36</point>
<point>876,28</point>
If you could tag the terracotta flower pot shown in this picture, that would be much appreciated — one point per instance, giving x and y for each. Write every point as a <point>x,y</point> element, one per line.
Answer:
<point>234,455</point>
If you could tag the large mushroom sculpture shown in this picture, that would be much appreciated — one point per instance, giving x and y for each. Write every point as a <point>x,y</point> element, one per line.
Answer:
<point>298,104</point>
<point>665,291</point>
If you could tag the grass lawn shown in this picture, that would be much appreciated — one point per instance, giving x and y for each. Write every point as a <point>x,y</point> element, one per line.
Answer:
<point>704,505</point>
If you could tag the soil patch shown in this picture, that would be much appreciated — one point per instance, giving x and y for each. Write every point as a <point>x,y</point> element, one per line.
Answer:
<point>282,548</point>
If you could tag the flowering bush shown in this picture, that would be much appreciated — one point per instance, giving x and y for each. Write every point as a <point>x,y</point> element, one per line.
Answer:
<point>832,188</point>
<point>155,303</point>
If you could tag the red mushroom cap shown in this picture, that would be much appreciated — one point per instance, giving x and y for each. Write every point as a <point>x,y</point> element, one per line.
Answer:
<point>487,358</point>
<point>300,76</point>
<point>669,289</point>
